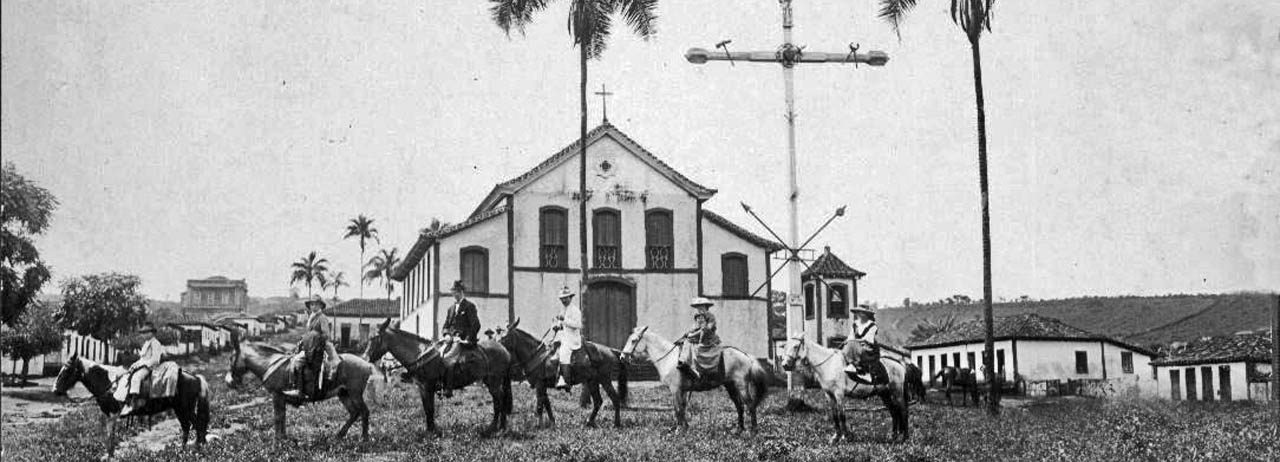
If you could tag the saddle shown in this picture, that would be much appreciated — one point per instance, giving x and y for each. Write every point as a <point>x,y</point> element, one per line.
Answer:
<point>162,383</point>
<point>708,362</point>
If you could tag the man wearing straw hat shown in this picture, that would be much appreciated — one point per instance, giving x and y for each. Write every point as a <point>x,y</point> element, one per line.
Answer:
<point>148,358</point>
<point>319,330</point>
<point>861,352</point>
<point>568,329</point>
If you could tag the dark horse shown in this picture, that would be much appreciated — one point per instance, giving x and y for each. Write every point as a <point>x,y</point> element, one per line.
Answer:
<point>915,383</point>
<point>273,367</point>
<point>603,363</point>
<point>190,405</point>
<point>959,379</point>
<point>423,362</point>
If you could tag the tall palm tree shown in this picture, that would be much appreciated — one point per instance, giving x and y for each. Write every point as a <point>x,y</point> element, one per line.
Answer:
<point>379,268</point>
<point>590,23</point>
<point>310,269</point>
<point>973,17</point>
<point>336,280</point>
<point>361,227</point>
<point>435,226</point>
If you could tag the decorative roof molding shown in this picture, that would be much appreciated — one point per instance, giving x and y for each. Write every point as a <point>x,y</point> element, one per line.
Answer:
<point>741,232</point>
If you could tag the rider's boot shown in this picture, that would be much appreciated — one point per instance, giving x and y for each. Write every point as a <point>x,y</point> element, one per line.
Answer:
<point>563,382</point>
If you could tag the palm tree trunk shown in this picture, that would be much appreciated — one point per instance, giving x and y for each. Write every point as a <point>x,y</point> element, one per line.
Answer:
<point>988,358</point>
<point>359,273</point>
<point>582,168</point>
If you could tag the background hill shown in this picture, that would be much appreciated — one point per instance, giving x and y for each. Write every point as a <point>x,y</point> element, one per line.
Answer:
<point>1148,321</point>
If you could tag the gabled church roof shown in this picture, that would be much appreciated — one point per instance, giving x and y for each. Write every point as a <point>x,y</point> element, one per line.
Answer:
<point>829,265</point>
<point>606,129</point>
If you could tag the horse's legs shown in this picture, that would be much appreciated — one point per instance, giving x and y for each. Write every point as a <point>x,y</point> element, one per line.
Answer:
<point>184,421</point>
<point>594,390</point>
<point>428,394</point>
<point>353,413</point>
<point>495,394</point>
<point>111,434</point>
<point>364,417</point>
<point>278,404</point>
<point>682,400</point>
<point>835,411</point>
<point>615,399</point>
<point>544,403</point>
<point>735,395</point>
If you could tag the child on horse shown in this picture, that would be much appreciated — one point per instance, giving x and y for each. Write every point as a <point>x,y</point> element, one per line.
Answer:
<point>461,327</point>
<point>703,335</point>
<point>319,331</point>
<point>568,327</point>
<point>861,352</point>
<point>140,371</point>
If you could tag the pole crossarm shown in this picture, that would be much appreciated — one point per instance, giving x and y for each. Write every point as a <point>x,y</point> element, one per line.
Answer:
<point>701,56</point>
<point>794,252</point>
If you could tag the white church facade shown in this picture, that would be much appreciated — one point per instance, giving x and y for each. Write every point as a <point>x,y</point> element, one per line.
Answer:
<point>652,246</point>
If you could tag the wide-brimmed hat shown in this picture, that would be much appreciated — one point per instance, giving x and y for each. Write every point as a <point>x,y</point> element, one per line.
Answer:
<point>458,287</point>
<point>863,309</point>
<point>147,329</point>
<point>701,302</point>
<point>316,300</point>
<point>566,292</point>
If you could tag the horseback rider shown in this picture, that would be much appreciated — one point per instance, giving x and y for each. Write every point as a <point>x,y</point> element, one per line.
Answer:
<point>861,352</point>
<point>319,330</point>
<point>148,358</point>
<point>703,335</point>
<point>461,326</point>
<point>568,326</point>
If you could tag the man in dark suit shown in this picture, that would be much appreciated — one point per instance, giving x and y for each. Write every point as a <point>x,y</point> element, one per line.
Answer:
<point>462,324</point>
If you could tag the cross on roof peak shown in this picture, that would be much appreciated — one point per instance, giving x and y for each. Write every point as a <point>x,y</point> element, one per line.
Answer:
<point>604,102</point>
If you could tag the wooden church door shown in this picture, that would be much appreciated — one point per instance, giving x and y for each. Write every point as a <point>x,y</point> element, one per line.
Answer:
<point>610,312</point>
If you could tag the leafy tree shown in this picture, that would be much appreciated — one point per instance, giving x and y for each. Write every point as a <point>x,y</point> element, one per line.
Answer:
<point>590,23</point>
<point>973,17</point>
<point>25,211</point>
<point>933,326</point>
<point>361,228</point>
<point>334,281</point>
<point>380,267</point>
<point>33,334</point>
<point>103,305</point>
<point>310,270</point>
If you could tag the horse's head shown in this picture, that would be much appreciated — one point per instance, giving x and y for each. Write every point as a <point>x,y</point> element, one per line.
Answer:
<point>238,367</point>
<point>795,349</point>
<point>377,343</point>
<point>71,372</point>
<point>636,346</point>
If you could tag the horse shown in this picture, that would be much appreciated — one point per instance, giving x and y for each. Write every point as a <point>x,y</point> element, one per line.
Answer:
<point>826,365</point>
<point>424,363</point>
<point>744,379</point>
<point>914,383</point>
<point>190,405</point>
<point>962,379</point>
<point>272,365</point>
<point>535,358</point>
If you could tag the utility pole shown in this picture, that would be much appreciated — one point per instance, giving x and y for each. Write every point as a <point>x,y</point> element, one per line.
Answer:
<point>788,55</point>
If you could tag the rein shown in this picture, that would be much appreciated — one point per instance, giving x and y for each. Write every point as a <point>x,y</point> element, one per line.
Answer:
<point>673,348</point>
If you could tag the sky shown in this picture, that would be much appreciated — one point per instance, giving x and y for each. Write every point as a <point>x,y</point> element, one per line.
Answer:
<point>1134,145</point>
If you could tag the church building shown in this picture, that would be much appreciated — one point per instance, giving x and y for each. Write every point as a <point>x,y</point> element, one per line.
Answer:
<point>653,246</point>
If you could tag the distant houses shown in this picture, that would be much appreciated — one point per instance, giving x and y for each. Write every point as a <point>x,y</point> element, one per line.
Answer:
<point>1042,353</point>
<point>251,324</point>
<point>210,298</point>
<point>1225,368</point>
<point>353,320</point>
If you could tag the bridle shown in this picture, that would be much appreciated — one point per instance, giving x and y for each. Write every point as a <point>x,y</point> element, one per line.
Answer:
<point>801,343</point>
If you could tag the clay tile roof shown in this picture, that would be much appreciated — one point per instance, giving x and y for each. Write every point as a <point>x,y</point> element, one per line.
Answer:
<point>1027,326</point>
<point>366,307</point>
<point>741,232</point>
<point>1249,347</point>
<point>829,265</point>
<point>425,239</point>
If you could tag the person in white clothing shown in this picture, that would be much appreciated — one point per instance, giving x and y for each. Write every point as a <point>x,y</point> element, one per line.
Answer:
<point>148,358</point>
<point>568,326</point>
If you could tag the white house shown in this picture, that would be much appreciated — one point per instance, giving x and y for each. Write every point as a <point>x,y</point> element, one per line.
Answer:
<point>353,320</point>
<point>653,247</point>
<point>202,334</point>
<point>1034,349</point>
<point>1228,368</point>
<point>251,324</point>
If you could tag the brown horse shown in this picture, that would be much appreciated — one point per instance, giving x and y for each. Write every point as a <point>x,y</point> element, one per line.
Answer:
<point>490,363</point>
<point>273,367</point>
<point>190,405</point>
<point>536,358</point>
<point>914,383</point>
<point>963,380</point>
<point>744,379</point>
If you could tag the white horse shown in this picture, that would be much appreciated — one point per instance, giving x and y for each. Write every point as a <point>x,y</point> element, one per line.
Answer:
<point>745,380</point>
<point>826,365</point>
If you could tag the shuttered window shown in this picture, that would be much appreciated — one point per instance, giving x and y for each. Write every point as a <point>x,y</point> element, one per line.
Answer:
<point>809,301</point>
<point>475,269</point>
<point>1082,362</point>
<point>1126,362</point>
<point>553,233</point>
<point>659,239</point>
<point>734,267</point>
<point>606,224</point>
<point>838,301</point>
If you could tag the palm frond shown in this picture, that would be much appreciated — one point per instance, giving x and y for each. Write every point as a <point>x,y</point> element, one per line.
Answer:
<point>895,11</point>
<point>641,15</point>
<point>514,14</point>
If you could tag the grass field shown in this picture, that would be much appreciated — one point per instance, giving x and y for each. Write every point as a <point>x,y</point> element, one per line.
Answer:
<point>1063,429</point>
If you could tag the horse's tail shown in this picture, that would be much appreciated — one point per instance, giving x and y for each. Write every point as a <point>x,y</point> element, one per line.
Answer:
<point>623,392</point>
<point>758,381</point>
<point>202,405</point>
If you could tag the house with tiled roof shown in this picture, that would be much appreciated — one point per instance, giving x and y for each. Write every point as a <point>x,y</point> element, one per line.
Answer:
<point>1030,348</point>
<point>652,246</point>
<point>1225,368</point>
<point>830,290</point>
<point>354,319</point>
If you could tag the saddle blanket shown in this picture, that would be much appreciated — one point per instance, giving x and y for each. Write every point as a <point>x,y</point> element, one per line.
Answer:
<point>163,381</point>
<point>708,359</point>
